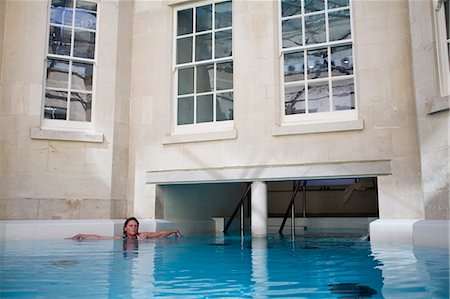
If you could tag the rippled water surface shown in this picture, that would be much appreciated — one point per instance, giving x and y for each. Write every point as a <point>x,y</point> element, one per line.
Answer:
<point>221,267</point>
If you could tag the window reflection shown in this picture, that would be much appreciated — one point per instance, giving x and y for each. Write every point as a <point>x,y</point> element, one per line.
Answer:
<point>341,61</point>
<point>292,33</point>
<point>82,76</point>
<point>59,41</point>
<point>203,48</point>
<point>315,31</point>
<point>290,7</point>
<point>223,44</point>
<point>203,18</point>
<point>294,66</point>
<point>318,97</point>
<point>84,44</point>
<point>205,108</point>
<point>72,36</point>
<point>225,75</point>
<point>80,106</point>
<point>55,104</point>
<point>186,81</point>
<point>204,32</point>
<point>343,94</point>
<point>185,111</point>
<point>224,109</point>
<point>314,5</point>
<point>294,101</point>
<point>223,15</point>
<point>317,63</point>
<point>339,23</point>
<point>184,50</point>
<point>313,65</point>
<point>57,74</point>
<point>205,78</point>
<point>184,22</point>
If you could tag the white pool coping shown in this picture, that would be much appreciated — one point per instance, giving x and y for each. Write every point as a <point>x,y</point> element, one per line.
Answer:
<point>415,232</point>
<point>60,229</point>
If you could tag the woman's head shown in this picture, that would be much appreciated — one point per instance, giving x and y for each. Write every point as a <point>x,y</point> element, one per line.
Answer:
<point>130,227</point>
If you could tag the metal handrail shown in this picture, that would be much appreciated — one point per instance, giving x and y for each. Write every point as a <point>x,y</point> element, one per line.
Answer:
<point>291,203</point>
<point>239,205</point>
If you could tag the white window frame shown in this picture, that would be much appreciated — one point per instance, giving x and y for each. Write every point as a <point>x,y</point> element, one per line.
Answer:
<point>205,127</point>
<point>442,47</point>
<point>70,125</point>
<point>317,117</point>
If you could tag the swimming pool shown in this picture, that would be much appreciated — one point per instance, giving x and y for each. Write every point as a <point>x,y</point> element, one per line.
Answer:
<point>221,267</point>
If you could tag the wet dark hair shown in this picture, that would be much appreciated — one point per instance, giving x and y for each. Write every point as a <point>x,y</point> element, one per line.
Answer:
<point>125,224</point>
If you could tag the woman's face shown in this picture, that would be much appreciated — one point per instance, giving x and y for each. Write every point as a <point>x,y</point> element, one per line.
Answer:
<point>132,228</point>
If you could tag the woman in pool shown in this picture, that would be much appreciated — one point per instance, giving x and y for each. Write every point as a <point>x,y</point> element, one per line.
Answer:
<point>131,232</point>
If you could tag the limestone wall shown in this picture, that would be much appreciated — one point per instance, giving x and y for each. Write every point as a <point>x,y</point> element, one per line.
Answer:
<point>44,178</point>
<point>385,100</point>
<point>433,120</point>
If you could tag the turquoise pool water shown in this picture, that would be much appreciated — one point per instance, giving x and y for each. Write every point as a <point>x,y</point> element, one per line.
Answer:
<point>221,267</point>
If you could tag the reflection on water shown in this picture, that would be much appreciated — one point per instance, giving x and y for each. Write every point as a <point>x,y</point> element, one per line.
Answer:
<point>222,266</point>
<point>418,272</point>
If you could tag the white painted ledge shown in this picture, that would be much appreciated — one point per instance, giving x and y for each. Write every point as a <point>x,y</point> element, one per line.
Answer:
<point>414,232</point>
<point>65,135</point>
<point>352,125</point>
<point>270,173</point>
<point>200,137</point>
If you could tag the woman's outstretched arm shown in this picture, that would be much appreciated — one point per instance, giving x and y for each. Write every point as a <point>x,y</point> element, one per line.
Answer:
<point>163,233</point>
<point>90,236</point>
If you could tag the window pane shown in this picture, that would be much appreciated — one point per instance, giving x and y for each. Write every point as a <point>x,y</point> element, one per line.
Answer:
<point>224,109</point>
<point>184,21</point>
<point>55,104</point>
<point>87,6</point>
<point>203,47</point>
<point>315,29</point>
<point>84,44</point>
<point>314,5</point>
<point>80,106</point>
<point>223,44</point>
<point>317,63</point>
<point>85,15</point>
<point>203,16</point>
<point>337,3</point>
<point>290,7</point>
<point>57,74</point>
<point>184,50</point>
<point>186,81</point>
<point>205,78</point>
<point>341,60</point>
<point>294,99</point>
<point>343,94</point>
<point>61,12</point>
<point>223,15</point>
<point>185,111</point>
<point>292,33</point>
<point>318,97</point>
<point>294,66</point>
<point>59,41</point>
<point>225,75</point>
<point>82,76</point>
<point>339,22</point>
<point>205,108</point>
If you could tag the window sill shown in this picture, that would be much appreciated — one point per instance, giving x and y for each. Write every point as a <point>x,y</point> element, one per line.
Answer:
<point>66,135</point>
<point>437,105</point>
<point>312,128</point>
<point>200,137</point>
